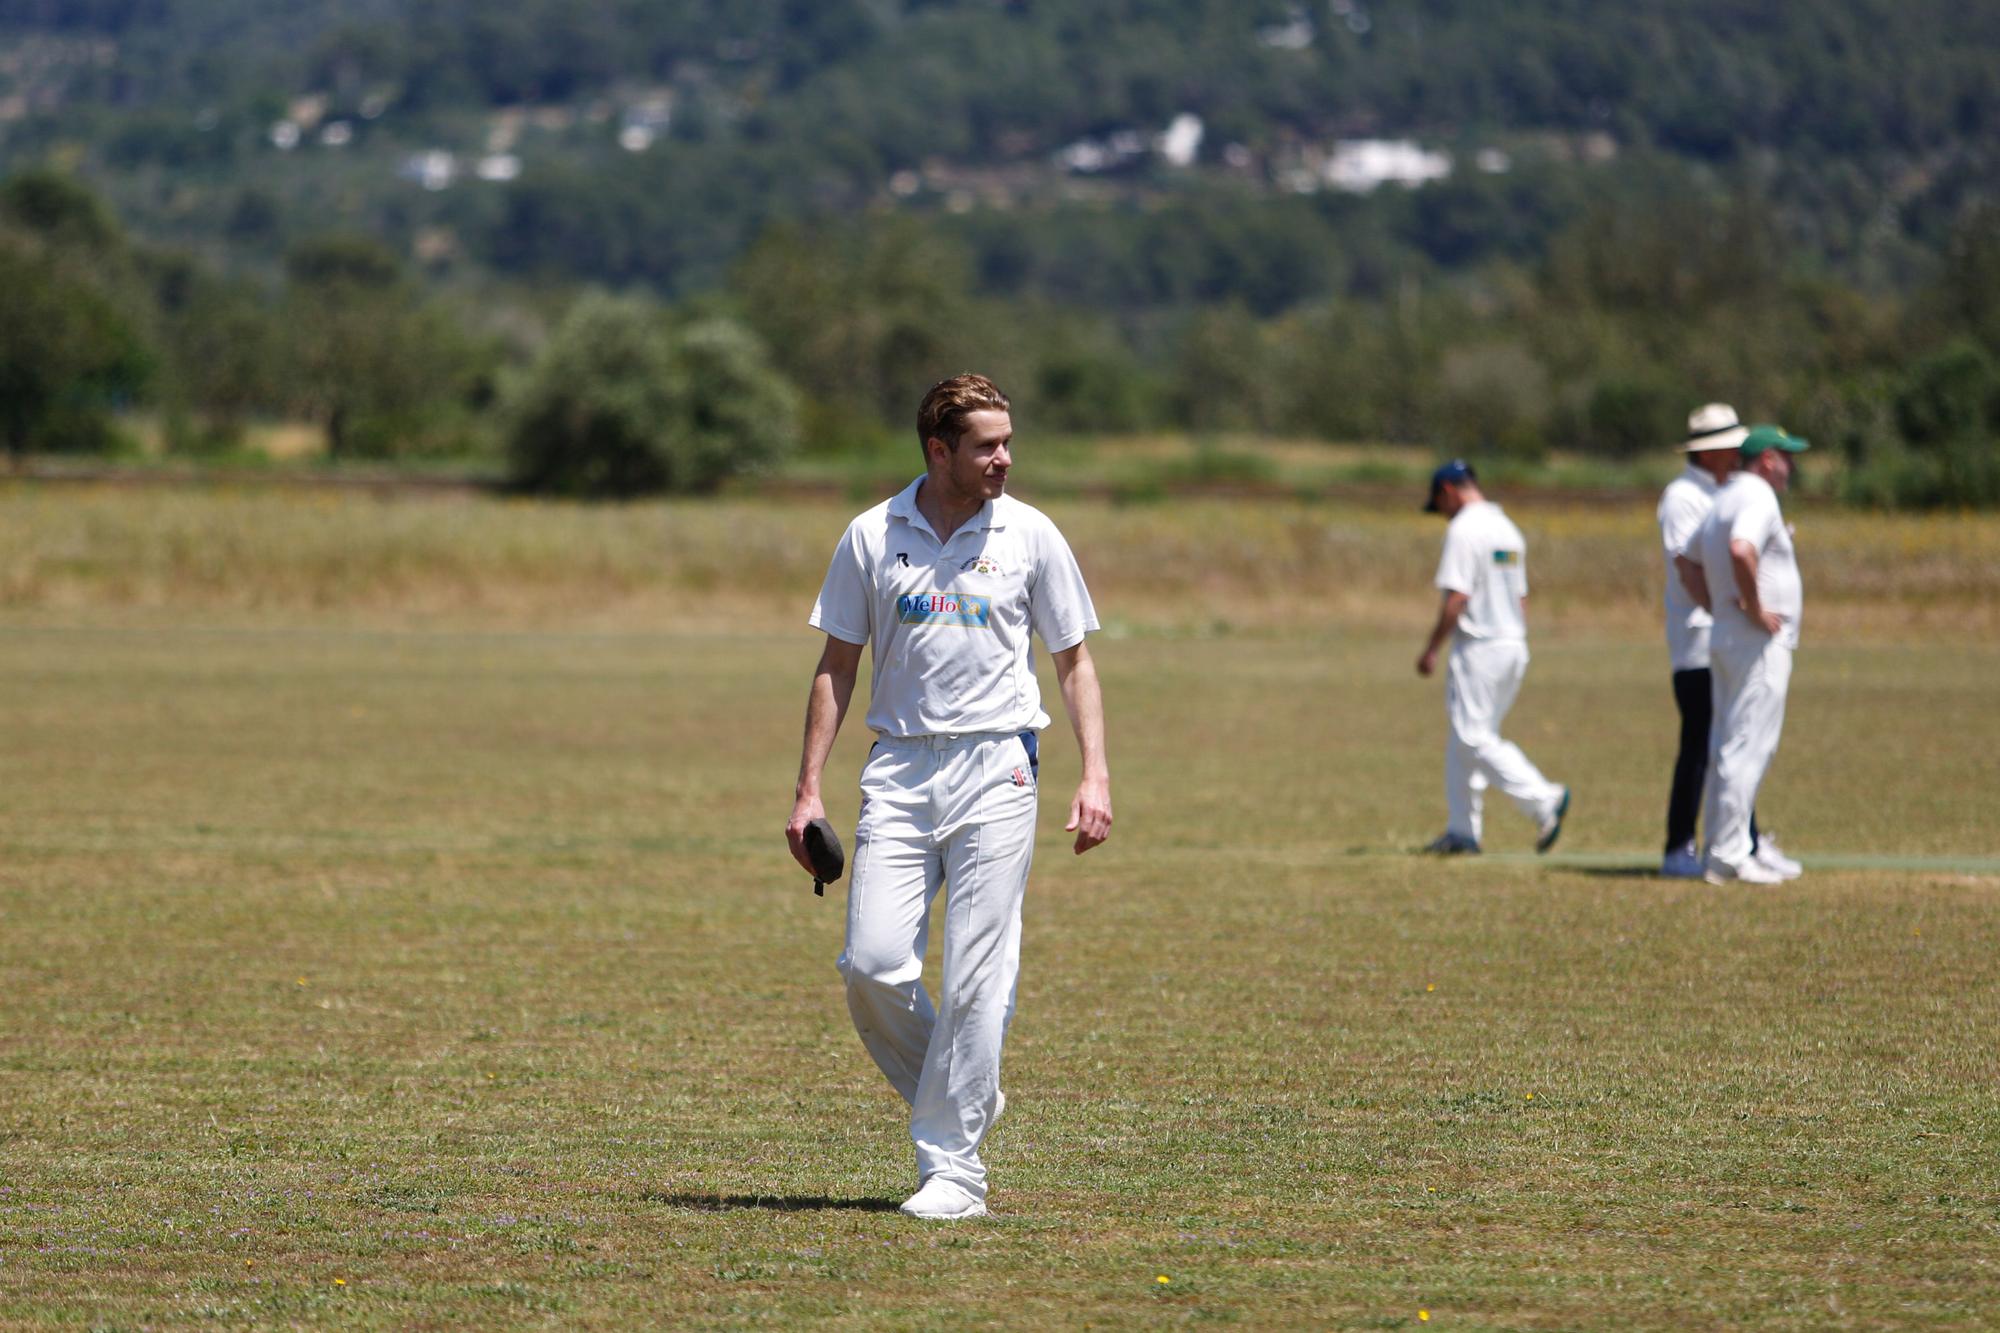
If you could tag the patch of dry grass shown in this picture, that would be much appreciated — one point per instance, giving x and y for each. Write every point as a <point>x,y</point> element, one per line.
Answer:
<point>1180,565</point>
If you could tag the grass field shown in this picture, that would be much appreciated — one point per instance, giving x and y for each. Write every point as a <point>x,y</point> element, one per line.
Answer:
<point>364,975</point>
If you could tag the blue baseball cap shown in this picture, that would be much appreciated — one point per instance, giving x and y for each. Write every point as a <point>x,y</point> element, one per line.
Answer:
<point>1456,470</point>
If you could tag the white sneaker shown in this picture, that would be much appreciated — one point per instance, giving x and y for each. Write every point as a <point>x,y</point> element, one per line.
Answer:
<point>1751,871</point>
<point>941,1201</point>
<point>1682,863</point>
<point>1772,857</point>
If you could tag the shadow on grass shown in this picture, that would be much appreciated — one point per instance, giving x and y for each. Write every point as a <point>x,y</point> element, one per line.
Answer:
<point>1612,872</point>
<point>775,1203</point>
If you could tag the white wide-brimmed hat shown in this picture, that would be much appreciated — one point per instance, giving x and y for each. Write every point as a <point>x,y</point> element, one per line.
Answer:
<point>1713,426</point>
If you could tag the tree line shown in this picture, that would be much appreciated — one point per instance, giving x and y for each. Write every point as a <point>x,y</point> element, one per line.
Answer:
<point>821,337</point>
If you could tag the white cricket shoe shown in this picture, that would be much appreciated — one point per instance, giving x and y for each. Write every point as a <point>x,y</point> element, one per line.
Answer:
<point>1772,857</point>
<point>1682,863</point>
<point>941,1201</point>
<point>1751,871</point>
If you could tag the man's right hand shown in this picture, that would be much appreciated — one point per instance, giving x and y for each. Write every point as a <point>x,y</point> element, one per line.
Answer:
<point>804,811</point>
<point>1770,620</point>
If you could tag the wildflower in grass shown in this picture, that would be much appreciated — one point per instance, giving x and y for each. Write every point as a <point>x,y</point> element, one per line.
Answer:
<point>1531,1096</point>
<point>340,1282</point>
<point>1431,987</point>
<point>1423,1316</point>
<point>1163,1280</point>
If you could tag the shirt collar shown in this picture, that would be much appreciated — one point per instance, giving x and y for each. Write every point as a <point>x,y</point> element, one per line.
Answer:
<point>1703,478</point>
<point>903,505</point>
<point>1745,477</point>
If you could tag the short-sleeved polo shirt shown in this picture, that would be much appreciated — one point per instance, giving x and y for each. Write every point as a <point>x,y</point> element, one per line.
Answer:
<point>1684,505</point>
<point>1747,510</point>
<point>1486,558</point>
<point>948,623</point>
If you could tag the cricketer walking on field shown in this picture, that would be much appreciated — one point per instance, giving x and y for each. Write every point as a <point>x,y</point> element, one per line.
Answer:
<point>945,583</point>
<point>1742,568</point>
<point>1482,580</point>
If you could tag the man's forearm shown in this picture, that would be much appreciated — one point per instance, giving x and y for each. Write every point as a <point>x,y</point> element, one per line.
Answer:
<point>1695,579</point>
<point>1085,704</point>
<point>1452,607</point>
<point>826,706</point>
<point>1743,567</point>
<point>1090,810</point>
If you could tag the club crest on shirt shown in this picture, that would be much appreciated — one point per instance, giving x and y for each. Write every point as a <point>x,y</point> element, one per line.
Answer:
<point>980,564</point>
<point>1506,557</point>
<point>944,608</point>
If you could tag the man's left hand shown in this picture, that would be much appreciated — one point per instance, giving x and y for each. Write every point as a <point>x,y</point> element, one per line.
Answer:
<point>1428,662</point>
<point>1090,814</point>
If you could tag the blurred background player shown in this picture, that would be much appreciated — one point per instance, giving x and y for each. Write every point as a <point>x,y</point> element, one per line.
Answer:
<point>1743,569</point>
<point>1712,449</point>
<point>1483,581</point>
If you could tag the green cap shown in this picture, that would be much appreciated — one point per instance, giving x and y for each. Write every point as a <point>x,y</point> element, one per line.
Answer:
<point>1765,437</point>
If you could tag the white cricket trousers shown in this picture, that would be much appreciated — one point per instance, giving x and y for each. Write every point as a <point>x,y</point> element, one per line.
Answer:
<point>956,811</point>
<point>1481,678</point>
<point>1752,675</point>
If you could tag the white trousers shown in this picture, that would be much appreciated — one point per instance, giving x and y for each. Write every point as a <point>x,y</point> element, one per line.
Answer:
<point>935,812</point>
<point>1752,676</point>
<point>1481,678</point>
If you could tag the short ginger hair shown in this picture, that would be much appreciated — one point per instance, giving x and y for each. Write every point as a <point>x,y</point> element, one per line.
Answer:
<point>945,407</point>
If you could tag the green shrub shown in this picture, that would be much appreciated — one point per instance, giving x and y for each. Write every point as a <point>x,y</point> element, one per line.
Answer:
<point>621,404</point>
<point>1492,400</point>
<point>1629,414</point>
<point>1962,474</point>
<point>1211,464</point>
<point>1951,395</point>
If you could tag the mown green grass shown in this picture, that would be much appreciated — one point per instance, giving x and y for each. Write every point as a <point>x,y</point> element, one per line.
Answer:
<point>460,980</point>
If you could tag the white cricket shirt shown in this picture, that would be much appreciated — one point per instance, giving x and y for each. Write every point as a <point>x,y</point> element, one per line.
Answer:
<point>1747,509</point>
<point>1683,506</point>
<point>948,623</point>
<point>1486,558</point>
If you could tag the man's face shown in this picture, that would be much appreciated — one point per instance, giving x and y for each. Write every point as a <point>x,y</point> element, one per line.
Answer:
<point>1774,466</point>
<point>1450,499</point>
<point>1719,463</point>
<point>978,466</point>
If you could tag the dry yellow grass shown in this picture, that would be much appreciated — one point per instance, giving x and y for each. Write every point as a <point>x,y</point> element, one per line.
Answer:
<point>1181,564</point>
<point>286,439</point>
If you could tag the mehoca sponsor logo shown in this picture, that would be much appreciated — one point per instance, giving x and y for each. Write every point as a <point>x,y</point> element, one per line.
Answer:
<point>943,608</point>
